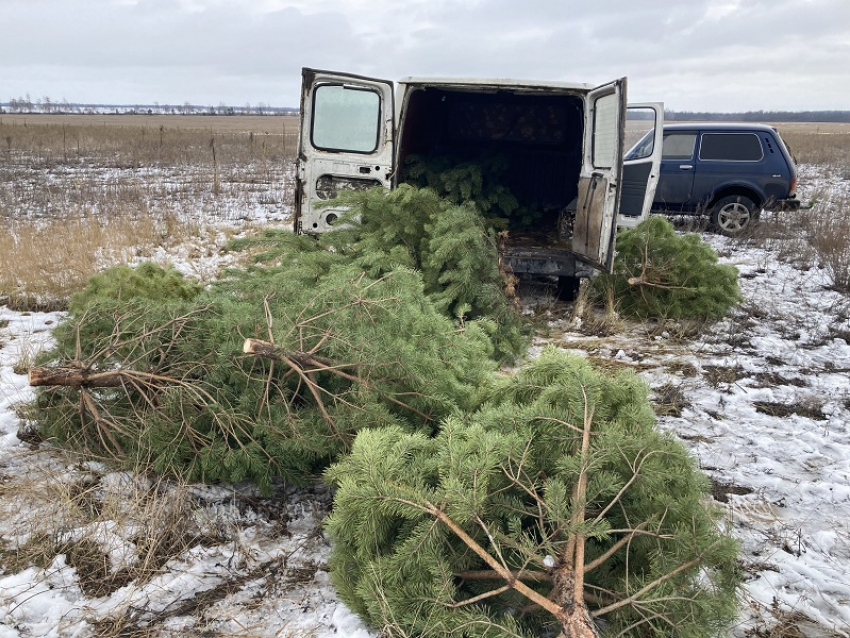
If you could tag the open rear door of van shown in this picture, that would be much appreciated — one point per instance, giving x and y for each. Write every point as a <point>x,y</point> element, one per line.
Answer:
<point>642,163</point>
<point>346,142</point>
<point>598,189</point>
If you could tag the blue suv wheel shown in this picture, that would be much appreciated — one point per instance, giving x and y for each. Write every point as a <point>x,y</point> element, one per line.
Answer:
<point>733,215</point>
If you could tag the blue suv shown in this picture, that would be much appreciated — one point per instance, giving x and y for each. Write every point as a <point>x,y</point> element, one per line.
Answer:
<point>729,171</point>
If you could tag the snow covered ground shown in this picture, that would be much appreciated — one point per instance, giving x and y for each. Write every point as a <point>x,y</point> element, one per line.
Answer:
<point>761,398</point>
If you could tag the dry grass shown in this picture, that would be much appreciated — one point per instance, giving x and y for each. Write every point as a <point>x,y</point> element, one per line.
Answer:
<point>779,623</point>
<point>225,124</point>
<point>27,352</point>
<point>136,140</point>
<point>818,237</point>
<point>830,239</point>
<point>807,409</point>
<point>80,193</point>
<point>43,262</point>
<point>821,150</point>
<point>115,529</point>
<point>824,144</point>
<point>669,400</point>
<point>591,320</point>
<point>132,539</point>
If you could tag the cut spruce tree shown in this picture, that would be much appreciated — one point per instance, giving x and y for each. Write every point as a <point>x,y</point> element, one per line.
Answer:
<point>167,384</point>
<point>556,507</point>
<point>659,273</point>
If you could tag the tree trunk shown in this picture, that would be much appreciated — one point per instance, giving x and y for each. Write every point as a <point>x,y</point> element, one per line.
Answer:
<point>74,377</point>
<point>579,624</point>
<point>260,348</point>
<point>304,360</point>
<point>575,618</point>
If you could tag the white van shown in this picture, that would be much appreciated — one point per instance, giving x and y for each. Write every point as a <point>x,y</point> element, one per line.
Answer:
<point>562,144</point>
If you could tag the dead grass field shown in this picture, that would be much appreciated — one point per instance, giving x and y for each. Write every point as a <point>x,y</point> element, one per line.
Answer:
<point>137,140</point>
<point>812,128</point>
<point>824,143</point>
<point>257,124</point>
<point>79,193</point>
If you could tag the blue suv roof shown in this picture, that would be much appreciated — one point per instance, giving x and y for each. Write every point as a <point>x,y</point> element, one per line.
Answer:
<point>717,126</point>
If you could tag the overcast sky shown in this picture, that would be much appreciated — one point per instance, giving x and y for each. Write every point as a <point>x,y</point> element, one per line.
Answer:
<point>715,55</point>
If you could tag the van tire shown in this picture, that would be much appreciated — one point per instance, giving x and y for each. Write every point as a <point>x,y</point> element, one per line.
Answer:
<point>733,214</point>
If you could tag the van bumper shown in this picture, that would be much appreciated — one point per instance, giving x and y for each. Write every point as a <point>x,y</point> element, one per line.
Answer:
<point>545,261</point>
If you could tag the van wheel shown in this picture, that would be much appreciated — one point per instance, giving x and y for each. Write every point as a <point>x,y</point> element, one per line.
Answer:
<point>732,215</point>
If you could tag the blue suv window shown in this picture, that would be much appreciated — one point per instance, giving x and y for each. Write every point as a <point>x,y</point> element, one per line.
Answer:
<point>730,147</point>
<point>679,146</point>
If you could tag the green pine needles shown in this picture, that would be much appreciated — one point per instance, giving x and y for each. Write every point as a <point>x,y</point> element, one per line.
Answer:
<point>166,384</point>
<point>659,273</point>
<point>145,281</point>
<point>556,506</point>
<point>477,182</point>
<point>449,244</point>
<point>391,322</point>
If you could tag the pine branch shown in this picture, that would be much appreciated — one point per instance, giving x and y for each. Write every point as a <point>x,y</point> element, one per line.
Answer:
<point>304,363</point>
<point>497,567</point>
<point>636,596</point>
<point>635,474</point>
<point>589,567</point>
<point>480,597</point>
<point>486,574</point>
<point>95,414</point>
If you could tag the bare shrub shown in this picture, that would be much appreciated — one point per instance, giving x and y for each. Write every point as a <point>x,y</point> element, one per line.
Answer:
<point>831,242</point>
<point>814,237</point>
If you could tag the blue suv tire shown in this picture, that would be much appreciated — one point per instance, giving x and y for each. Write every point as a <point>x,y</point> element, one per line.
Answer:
<point>734,214</point>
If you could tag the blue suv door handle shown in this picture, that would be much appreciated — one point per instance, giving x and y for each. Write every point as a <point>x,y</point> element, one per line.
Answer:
<point>686,167</point>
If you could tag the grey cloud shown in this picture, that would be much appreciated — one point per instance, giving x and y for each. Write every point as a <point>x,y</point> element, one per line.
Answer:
<point>156,50</point>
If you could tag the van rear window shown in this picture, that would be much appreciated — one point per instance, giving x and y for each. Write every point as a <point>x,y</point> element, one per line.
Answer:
<point>731,147</point>
<point>346,118</point>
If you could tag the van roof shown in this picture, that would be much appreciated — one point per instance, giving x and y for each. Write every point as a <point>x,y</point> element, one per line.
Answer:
<point>497,83</point>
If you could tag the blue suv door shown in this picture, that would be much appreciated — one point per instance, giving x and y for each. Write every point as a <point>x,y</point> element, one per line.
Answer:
<point>678,167</point>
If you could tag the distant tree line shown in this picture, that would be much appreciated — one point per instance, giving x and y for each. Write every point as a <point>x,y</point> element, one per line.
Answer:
<point>760,116</point>
<point>47,105</point>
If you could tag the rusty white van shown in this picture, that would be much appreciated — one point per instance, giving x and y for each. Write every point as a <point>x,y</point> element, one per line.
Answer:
<point>562,144</point>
